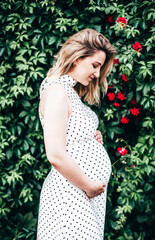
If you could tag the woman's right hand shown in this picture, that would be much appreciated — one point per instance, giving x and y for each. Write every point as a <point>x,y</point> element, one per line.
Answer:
<point>96,188</point>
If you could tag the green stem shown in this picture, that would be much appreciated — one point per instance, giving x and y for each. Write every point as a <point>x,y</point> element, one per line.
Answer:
<point>115,162</point>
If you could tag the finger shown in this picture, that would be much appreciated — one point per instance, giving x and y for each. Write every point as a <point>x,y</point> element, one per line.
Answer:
<point>97,131</point>
<point>99,137</point>
<point>101,192</point>
<point>96,135</point>
<point>102,189</point>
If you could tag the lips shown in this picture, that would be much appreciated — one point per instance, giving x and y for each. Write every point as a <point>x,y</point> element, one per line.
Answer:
<point>90,78</point>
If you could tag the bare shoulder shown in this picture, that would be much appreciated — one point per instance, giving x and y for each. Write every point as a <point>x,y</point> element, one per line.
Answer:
<point>53,95</point>
<point>55,90</point>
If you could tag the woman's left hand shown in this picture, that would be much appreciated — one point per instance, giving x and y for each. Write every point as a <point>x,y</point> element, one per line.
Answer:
<point>98,137</point>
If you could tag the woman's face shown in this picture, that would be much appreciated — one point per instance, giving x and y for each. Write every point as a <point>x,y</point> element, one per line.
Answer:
<point>86,69</point>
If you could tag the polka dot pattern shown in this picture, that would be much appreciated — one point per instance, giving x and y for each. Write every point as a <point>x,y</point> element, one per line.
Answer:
<point>65,211</point>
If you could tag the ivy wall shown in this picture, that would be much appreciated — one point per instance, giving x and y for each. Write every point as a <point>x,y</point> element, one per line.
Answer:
<point>31,34</point>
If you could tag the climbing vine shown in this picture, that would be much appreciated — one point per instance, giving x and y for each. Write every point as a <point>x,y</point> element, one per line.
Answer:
<point>31,34</point>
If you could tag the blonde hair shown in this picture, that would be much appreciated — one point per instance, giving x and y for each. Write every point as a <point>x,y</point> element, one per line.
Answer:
<point>83,44</point>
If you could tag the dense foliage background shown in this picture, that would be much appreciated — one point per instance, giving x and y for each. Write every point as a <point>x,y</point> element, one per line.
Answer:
<point>31,33</point>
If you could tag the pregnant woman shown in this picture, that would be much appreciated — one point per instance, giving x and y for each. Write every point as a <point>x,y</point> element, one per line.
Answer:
<point>73,196</point>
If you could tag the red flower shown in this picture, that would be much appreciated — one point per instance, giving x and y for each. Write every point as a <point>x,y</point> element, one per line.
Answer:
<point>116,104</point>
<point>133,101</point>
<point>125,120</point>
<point>115,61</point>
<point>125,77</point>
<point>122,20</point>
<point>110,86</point>
<point>135,111</point>
<point>122,151</point>
<point>110,19</point>
<point>111,96</point>
<point>133,165</point>
<point>120,96</point>
<point>137,46</point>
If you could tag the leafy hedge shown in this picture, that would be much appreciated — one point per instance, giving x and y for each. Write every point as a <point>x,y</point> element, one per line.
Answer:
<point>31,33</point>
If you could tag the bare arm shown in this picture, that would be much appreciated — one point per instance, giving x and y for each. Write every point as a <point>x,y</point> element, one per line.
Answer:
<point>54,105</point>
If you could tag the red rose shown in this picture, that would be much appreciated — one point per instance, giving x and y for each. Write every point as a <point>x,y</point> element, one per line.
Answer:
<point>122,151</point>
<point>111,96</point>
<point>110,19</point>
<point>137,46</point>
<point>110,86</point>
<point>115,61</point>
<point>133,101</point>
<point>122,20</point>
<point>116,104</point>
<point>120,96</point>
<point>125,77</point>
<point>125,120</point>
<point>135,111</point>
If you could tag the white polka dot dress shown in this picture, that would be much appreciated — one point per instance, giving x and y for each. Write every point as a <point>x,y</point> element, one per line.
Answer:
<point>65,211</point>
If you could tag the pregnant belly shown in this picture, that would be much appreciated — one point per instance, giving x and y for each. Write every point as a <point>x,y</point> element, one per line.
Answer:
<point>92,157</point>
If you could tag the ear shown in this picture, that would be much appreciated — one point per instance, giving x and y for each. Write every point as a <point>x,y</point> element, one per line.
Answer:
<point>76,61</point>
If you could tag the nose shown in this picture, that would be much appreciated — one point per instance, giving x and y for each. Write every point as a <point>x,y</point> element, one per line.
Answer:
<point>97,73</point>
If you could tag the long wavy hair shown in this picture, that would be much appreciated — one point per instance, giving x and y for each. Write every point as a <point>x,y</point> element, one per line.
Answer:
<point>83,44</point>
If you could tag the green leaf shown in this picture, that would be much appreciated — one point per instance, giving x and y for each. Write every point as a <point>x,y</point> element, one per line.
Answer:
<point>9,153</point>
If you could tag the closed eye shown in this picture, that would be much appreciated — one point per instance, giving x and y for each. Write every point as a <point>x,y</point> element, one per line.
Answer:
<point>94,66</point>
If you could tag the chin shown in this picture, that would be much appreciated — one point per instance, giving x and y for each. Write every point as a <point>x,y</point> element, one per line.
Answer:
<point>85,84</point>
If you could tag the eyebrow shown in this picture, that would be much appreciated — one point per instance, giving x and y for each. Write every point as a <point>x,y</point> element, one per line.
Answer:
<point>98,62</point>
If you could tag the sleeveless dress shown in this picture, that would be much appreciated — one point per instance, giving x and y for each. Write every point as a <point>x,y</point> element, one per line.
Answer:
<point>65,211</point>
